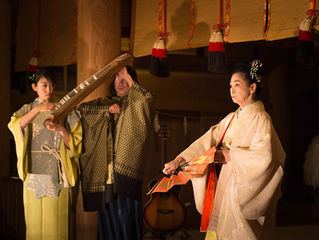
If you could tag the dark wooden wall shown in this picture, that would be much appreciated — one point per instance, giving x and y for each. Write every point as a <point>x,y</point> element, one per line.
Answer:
<point>12,224</point>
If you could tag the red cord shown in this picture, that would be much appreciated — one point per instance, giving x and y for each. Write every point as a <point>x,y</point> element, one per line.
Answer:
<point>164,16</point>
<point>220,11</point>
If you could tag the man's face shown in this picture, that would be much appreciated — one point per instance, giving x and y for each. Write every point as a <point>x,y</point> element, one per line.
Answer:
<point>121,85</point>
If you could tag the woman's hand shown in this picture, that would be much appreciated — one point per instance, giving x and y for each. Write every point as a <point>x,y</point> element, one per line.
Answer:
<point>27,118</point>
<point>57,127</point>
<point>115,108</point>
<point>45,107</point>
<point>170,167</point>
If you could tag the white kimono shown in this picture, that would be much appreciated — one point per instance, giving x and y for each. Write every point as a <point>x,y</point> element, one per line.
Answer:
<point>249,185</point>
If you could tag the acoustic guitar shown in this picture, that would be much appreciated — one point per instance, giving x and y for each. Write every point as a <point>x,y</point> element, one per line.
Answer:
<point>164,212</point>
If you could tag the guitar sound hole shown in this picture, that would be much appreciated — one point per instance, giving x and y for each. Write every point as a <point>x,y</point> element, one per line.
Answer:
<point>165,211</point>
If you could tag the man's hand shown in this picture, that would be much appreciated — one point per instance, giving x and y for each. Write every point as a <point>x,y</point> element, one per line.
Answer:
<point>124,74</point>
<point>115,108</point>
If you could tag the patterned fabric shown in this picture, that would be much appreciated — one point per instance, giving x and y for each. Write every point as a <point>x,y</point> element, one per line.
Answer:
<point>115,146</point>
<point>194,167</point>
<point>132,132</point>
<point>97,156</point>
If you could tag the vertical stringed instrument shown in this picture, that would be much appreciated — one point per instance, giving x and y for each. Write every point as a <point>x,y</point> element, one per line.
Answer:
<point>74,97</point>
<point>164,212</point>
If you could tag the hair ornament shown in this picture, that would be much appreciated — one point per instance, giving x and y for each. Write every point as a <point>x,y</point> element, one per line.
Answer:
<point>254,67</point>
<point>32,77</point>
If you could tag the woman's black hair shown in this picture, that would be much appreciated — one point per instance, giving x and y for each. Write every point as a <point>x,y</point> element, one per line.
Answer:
<point>41,72</point>
<point>246,70</point>
<point>131,71</point>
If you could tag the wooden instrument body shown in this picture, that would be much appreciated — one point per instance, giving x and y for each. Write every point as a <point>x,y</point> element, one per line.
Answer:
<point>164,212</point>
<point>74,97</point>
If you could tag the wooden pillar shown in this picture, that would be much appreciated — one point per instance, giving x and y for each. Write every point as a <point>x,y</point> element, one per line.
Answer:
<point>99,39</point>
<point>99,42</point>
<point>5,59</point>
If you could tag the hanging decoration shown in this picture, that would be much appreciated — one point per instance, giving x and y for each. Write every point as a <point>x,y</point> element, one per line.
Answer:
<point>159,67</point>
<point>33,64</point>
<point>53,32</point>
<point>216,50</point>
<point>266,18</point>
<point>305,52</point>
<point>192,24</point>
<point>72,59</point>
<point>227,20</point>
<point>34,61</point>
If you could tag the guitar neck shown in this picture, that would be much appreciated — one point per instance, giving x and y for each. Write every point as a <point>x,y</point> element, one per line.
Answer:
<point>74,97</point>
<point>164,151</point>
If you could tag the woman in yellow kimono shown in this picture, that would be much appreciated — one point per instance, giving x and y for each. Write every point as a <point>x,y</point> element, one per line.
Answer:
<point>252,158</point>
<point>47,162</point>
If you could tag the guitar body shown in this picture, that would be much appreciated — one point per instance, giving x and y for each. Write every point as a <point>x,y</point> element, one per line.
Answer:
<point>164,212</point>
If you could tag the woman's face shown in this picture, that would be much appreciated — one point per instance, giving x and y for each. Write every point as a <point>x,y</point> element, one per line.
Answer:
<point>44,89</point>
<point>121,85</point>
<point>240,91</point>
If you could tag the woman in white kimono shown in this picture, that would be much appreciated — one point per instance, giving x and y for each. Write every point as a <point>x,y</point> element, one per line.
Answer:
<point>252,158</point>
<point>47,162</point>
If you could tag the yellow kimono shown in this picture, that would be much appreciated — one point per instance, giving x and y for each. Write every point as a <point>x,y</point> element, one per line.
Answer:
<point>47,203</point>
<point>249,185</point>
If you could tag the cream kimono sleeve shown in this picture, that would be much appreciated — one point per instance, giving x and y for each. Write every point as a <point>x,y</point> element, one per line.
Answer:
<point>257,165</point>
<point>206,141</point>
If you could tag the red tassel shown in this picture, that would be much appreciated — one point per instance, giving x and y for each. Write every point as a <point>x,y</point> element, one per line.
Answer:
<point>305,33</point>
<point>305,51</point>
<point>216,53</point>
<point>159,67</point>
<point>33,64</point>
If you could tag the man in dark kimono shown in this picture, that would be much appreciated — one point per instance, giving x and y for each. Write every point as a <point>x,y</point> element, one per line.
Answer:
<point>116,137</point>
